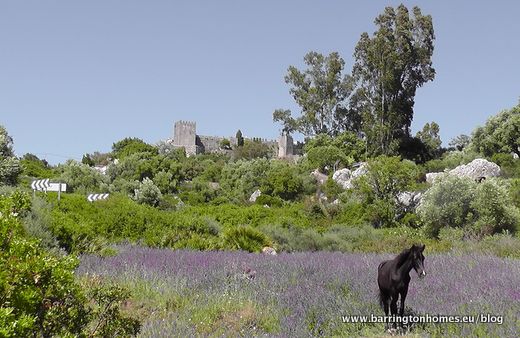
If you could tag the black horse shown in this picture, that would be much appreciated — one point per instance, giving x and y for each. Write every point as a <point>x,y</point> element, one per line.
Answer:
<point>393,277</point>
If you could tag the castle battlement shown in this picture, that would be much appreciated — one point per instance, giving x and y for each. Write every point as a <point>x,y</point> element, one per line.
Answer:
<point>184,135</point>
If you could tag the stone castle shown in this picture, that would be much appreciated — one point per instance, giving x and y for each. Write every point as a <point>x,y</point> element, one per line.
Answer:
<point>185,135</point>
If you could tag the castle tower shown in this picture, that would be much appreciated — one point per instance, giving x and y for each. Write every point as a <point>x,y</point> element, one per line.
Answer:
<point>285,145</point>
<point>184,135</point>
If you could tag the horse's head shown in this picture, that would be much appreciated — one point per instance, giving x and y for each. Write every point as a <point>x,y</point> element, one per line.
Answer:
<point>416,253</point>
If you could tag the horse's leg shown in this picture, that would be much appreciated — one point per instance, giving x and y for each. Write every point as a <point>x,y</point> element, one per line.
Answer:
<point>403,298</point>
<point>401,305</point>
<point>393,307</point>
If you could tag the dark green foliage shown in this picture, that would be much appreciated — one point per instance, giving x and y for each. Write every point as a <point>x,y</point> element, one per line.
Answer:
<point>32,166</point>
<point>348,142</point>
<point>269,200</point>
<point>327,158</point>
<point>87,160</point>
<point>253,149</point>
<point>321,91</point>
<point>39,294</point>
<point>225,144</point>
<point>429,136</point>
<point>132,145</point>
<point>500,134</point>
<point>283,180</point>
<point>389,67</point>
<point>379,188</point>
<point>245,238</point>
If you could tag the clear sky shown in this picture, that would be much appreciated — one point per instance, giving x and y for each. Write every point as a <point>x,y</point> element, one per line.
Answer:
<point>76,76</point>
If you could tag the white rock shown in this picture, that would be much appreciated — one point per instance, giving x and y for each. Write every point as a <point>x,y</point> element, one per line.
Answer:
<point>320,178</point>
<point>475,169</point>
<point>267,250</point>
<point>345,177</point>
<point>255,195</point>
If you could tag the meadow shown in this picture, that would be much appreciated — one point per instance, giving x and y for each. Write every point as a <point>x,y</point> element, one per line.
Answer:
<point>181,293</point>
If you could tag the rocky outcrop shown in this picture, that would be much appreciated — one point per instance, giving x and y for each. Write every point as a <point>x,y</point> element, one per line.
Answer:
<point>409,200</point>
<point>345,177</point>
<point>477,170</point>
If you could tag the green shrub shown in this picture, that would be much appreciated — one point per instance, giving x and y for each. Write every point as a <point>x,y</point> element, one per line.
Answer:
<point>245,238</point>
<point>283,181</point>
<point>326,158</point>
<point>80,177</point>
<point>379,187</point>
<point>148,193</point>
<point>269,200</point>
<point>447,204</point>
<point>481,209</point>
<point>494,211</point>
<point>39,294</point>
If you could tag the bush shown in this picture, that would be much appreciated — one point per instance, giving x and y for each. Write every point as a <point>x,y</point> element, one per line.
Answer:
<point>81,178</point>
<point>269,200</point>
<point>9,165</point>
<point>494,211</point>
<point>283,181</point>
<point>245,238</point>
<point>148,193</point>
<point>326,158</point>
<point>39,295</point>
<point>480,209</point>
<point>447,204</point>
<point>379,187</point>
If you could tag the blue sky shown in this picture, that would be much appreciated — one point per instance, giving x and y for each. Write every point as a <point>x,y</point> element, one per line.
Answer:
<point>76,76</point>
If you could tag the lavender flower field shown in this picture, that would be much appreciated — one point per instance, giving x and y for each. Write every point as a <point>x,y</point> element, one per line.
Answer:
<point>188,293</point>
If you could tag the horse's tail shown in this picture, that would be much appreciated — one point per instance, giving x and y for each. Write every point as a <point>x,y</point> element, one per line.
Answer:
<point>380,298</point>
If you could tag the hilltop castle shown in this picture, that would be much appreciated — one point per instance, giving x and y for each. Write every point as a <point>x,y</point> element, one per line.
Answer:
<point>185,135</point>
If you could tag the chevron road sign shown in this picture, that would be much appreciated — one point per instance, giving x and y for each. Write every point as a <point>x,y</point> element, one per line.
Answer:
<point>40,185</point>
<point>97,197</point>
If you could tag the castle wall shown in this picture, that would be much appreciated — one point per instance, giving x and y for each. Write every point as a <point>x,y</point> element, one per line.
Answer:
<point>184,135</point>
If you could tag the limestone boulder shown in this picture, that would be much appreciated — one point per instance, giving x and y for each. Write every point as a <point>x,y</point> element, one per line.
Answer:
<point>267,250</point>
<point>345,177</point>
<point>409,200</point>
<point>255,195</point>
<point>476,169</point>
<point>320,177</point>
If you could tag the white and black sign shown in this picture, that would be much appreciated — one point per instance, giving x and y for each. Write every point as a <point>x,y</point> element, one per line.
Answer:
<point>40,185</point>
<point>97,197</point>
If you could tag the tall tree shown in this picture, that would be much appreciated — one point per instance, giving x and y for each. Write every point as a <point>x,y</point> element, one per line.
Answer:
<point>429,136</point>
<point>460,142</point>
<point>388,69</point>
<point>322,93</point>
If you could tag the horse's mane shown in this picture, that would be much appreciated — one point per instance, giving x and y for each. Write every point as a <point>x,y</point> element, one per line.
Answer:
<point>402,257</point>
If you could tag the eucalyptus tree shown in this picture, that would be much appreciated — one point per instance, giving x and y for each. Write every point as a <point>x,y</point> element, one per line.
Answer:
<point>322,92</point>
<point>389,67</point>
